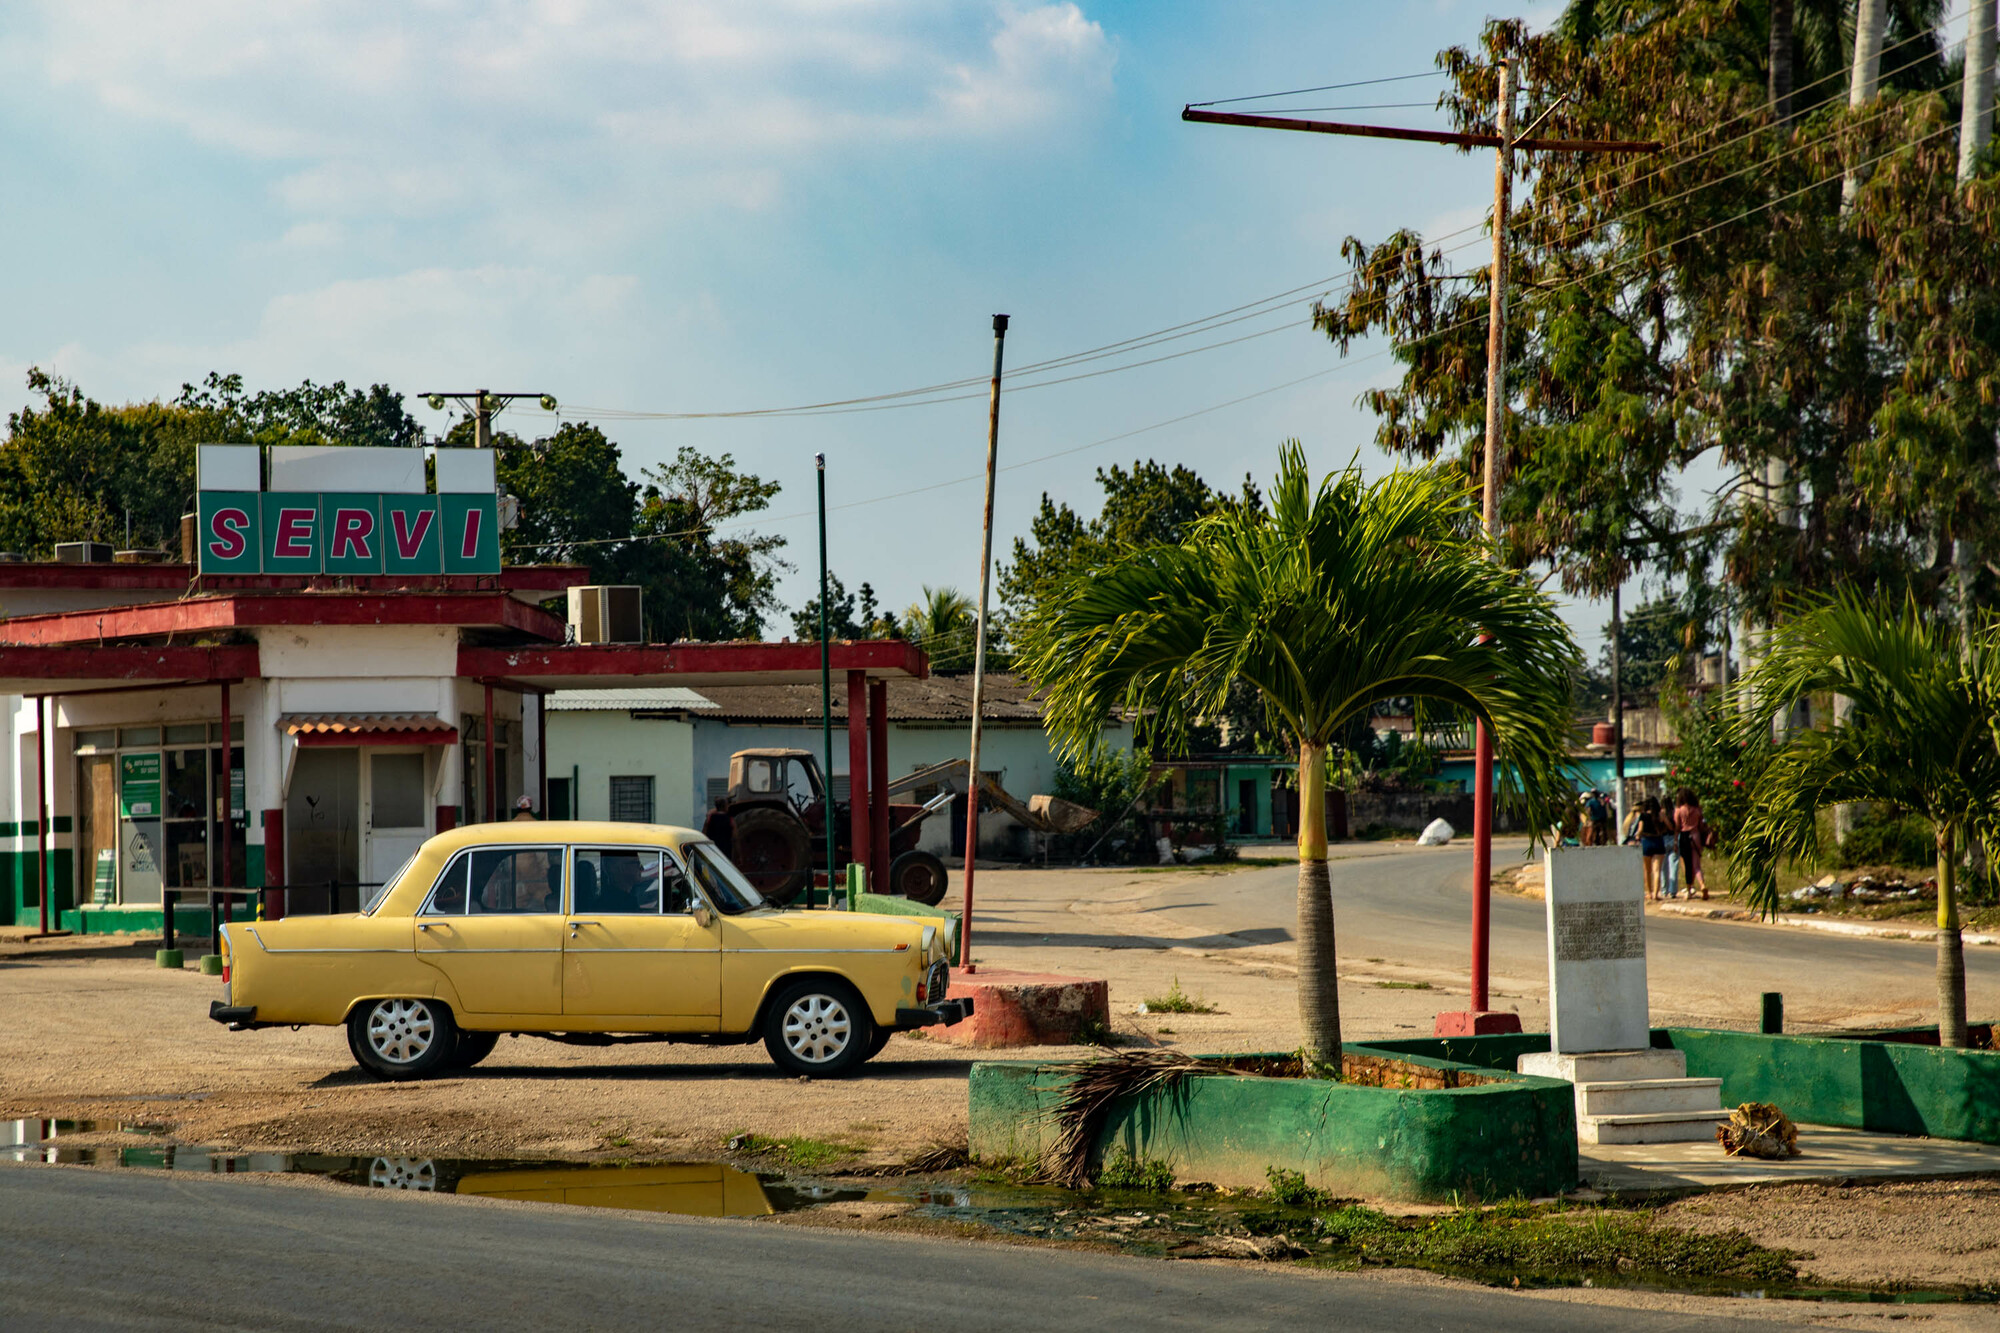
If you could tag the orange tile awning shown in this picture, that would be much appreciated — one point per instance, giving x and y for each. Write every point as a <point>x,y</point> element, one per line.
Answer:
<point>369,729</point>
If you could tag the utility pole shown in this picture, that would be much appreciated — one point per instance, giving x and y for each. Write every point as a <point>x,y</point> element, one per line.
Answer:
<point>480,404</point>
<point>979,646</point>
<point>1975,132</point>
<point>1478,1018</point>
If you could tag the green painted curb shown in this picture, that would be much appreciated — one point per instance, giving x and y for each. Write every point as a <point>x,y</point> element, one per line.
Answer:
<point>1503,1135</point>
<point>211,965</point>
<point>169,958</point>
<point>883,904</point>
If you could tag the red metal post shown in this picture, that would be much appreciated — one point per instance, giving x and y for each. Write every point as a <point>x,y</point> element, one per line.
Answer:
<point>447,818</point>
<point>274,862</point>
<point>228,760</point>
<point>1482,866</point>
<point>878,786</point>
<point>541,755</point>
<point>42,804</point>
<point>857,766</point>
<point>492,787</point>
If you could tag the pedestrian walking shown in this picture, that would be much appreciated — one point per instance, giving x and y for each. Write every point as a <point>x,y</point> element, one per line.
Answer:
<point>1693,834</point>
<point>1648,827</point>
<point>1597,813</point>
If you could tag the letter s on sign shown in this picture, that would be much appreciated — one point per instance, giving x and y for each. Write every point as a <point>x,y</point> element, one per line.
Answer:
<point>227,528</point>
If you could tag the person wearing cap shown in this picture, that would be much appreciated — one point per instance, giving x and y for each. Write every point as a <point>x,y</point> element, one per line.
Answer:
<point>524,809</point>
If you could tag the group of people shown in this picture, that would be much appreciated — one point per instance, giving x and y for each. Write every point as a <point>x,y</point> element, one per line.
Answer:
<point>1670,841</point>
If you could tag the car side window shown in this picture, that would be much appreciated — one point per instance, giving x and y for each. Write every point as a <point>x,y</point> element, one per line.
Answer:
<point>448,896</point>
<point>617,881</point>
<point>515,880</point>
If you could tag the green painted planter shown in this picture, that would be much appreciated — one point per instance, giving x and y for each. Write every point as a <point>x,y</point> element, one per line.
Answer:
<point>211,965</point>
<point>884,904</point>
<point>169,958</point>
<point>1503,1136</point>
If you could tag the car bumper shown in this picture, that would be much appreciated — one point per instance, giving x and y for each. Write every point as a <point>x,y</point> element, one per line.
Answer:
<point>946,1012</point>
<point>239,1018</point>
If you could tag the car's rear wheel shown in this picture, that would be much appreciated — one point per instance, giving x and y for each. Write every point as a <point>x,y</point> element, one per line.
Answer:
<point>472,1048</point>
<point>818,1026</point>
<point>918,876</point>
<point>402,1039</point>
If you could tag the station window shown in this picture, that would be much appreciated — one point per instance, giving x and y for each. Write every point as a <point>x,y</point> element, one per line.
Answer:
<point>632,800</point>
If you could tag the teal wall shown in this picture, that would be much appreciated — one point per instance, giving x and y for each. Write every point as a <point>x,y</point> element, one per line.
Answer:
<point>18,902</point>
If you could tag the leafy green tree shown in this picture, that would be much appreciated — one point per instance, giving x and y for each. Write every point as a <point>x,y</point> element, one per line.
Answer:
<point>1924,736</point>
<point>1340,594</point>
<point>850,615</point>
<point>309,414</point>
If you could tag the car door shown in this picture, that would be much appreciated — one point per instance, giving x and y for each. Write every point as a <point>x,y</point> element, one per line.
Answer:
<point>493,926</point>
<point>634,949</point>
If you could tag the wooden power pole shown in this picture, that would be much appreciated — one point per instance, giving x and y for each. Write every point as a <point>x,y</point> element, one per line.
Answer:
<point>1478,1017</point>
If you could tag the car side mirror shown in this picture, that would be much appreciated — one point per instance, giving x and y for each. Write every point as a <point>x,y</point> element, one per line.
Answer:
<point>703,916</point>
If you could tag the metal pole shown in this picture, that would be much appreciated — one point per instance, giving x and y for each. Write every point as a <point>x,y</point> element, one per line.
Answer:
<point>1618,708</point>
<point>979,646</point>
<point>492,787</point>
<point>228,761</point>
<point>825,696</point>
<point>482,420</point>
<point>42,805</point>
<point>1489,511</point>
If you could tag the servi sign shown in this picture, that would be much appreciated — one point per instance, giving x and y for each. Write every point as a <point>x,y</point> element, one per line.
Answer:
<point>345,510</point>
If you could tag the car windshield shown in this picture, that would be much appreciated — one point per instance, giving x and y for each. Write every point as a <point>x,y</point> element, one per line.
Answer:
<point>723,882</point>
<point>375,895</point>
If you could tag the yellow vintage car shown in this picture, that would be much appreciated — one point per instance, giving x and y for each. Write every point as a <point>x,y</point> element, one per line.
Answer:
<point>590,933</point>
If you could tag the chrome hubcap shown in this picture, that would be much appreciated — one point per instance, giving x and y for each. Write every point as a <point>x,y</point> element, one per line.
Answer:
<point>817,1028</point>
<point>400,1031</point>
<point>403,1173</point>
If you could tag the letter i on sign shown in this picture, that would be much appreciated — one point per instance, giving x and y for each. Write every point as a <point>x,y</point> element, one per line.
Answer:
<point>471,532</point>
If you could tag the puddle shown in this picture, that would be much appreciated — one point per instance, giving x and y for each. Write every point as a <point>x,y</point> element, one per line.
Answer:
<point>697,1189</point>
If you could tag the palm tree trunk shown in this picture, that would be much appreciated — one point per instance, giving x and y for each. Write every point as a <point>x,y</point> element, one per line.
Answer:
<point>1951,944</point>
<point>1319,996</point>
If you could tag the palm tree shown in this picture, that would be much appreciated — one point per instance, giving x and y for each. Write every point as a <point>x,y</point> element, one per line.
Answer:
<point>942,623</point>
<point>1338,596</point>
<point>1924,736</point>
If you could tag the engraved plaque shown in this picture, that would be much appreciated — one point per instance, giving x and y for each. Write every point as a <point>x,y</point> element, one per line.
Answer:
<point>1599,931</point>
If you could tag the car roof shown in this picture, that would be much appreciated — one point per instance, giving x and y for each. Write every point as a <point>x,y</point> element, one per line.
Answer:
<point>517,831</point>
<point>773,752</point>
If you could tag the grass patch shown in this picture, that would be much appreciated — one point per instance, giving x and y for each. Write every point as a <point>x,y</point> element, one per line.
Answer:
<point>1550,1246</point>
<point>1094,1031</point>
<point>794,1150</point>
<point>1123,1171</point>
<point>619,1141</point>
<point>1403,985</point>
<point>1178,1001</point>
<point>1290,1189</point>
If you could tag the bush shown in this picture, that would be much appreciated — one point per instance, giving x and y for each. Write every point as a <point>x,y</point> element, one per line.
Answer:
<point>1888,838</point>
<point>1106,782</point>
<point>1123,1171</point>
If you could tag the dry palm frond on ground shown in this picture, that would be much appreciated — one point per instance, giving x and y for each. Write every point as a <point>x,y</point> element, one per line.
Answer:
<point>1758,1129</point>
<point>1086,1101</point>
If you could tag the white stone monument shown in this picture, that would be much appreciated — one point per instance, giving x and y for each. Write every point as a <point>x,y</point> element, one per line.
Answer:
<point>1600,1034</point>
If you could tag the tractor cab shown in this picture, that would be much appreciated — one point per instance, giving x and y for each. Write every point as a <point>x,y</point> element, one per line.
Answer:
<point>772,774</point>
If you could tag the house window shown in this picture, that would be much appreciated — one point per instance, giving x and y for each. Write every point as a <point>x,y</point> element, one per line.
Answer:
<point>632,800</point>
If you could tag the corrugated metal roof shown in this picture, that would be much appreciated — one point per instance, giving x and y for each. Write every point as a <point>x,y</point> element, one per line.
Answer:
<point>614,701</point>
<point>344,723</point>
<point>939,699</point>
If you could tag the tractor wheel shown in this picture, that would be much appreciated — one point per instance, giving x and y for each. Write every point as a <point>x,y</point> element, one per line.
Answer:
<point>774,852</point>
<point>918,876</point>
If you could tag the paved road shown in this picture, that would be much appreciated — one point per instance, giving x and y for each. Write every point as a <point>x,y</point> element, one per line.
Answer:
<point>100,1249</point>
<point>1413,905</point>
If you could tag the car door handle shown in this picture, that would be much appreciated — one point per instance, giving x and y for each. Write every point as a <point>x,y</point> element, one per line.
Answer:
<point>574,924</point>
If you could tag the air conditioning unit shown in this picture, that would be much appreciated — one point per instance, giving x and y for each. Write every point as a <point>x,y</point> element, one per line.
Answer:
<point>83,553</point>
<point>601,613</point>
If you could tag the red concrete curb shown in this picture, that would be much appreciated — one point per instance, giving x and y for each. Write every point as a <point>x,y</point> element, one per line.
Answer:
<point>1025,1008</point>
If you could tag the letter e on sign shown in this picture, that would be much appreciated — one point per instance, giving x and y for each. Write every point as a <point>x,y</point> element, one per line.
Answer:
<point>291,533</point>
<point>228,533</point>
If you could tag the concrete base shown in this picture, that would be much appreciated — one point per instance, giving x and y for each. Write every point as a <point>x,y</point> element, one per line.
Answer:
<point>1604,1066</point>
<point>1475,1023</point>
<point>1025,1008</point>
<point>1640,1096</point>
<point>1651,1127</point>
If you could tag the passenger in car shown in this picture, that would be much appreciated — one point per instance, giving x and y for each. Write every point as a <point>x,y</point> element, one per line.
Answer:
<point>621,874</point>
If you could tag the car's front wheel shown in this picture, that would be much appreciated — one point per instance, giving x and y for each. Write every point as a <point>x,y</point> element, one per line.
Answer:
<point>819,1026</point>
<point>402,1039</point>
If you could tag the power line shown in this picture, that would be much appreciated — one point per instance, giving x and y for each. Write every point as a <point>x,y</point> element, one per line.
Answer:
<point>1324,88</point>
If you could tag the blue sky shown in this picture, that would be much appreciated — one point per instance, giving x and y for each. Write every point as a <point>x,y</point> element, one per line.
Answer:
<point>708,206</point>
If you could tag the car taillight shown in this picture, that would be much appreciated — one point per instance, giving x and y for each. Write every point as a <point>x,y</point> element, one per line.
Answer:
<point>922,997</point>
<point>225,974</point>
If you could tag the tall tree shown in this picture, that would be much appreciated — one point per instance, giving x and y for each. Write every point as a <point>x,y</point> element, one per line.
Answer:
<point>1340,594</point>
<point>944,623</point>
<point>1923,736</point>
<point>850,615</point>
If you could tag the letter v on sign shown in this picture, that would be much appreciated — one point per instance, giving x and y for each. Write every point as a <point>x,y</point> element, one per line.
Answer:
<point>410,535</point>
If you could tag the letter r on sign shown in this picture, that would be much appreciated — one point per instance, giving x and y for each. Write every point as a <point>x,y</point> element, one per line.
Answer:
<point>353,534</point>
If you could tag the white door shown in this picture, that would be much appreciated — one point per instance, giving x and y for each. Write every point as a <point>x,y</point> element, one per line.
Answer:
<point>394,823</point>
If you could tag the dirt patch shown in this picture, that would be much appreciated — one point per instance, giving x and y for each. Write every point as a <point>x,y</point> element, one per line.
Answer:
<point>1930,1233</point>
<point>1368,1071</point>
